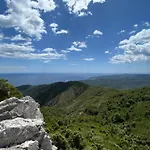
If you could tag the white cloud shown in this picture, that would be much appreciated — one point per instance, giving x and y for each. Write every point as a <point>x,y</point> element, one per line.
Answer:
<point>132,32</point>
<point>80,44</point>
<point>45,5</point>
<point>26,43</point>
<point>80,7</point>
<point>13,50</point>
<point>62,32</point>
<point>136,48</point>
<point>49,50</point>
<point>82,14</point>
<point>97,32</point>
<point>89,59</point>
<point>73,48</point>
<point>122,31</point>
<point>20,38</point>
<point>106,52</point>
<point>55,30</point>
<point>24,16</point>
<point>53,25</point>
<point>65,51</point>
<point>77,46</point>
<point>136,25</point>
<point>17,37</point>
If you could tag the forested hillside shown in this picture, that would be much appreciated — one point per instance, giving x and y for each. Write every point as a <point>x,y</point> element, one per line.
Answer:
<point>51,94</point>
<point>95,118</point>
<point>102,118</point>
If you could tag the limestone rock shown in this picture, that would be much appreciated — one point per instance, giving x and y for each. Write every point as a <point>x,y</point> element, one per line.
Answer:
<point>28,145</point>
<point>25,108</point>
<point>21,126</point>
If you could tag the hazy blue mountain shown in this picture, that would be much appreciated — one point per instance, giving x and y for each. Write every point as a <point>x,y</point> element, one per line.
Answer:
<point>126,81</point>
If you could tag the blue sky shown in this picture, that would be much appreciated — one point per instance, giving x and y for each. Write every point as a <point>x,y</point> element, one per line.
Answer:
<point>77,36</point>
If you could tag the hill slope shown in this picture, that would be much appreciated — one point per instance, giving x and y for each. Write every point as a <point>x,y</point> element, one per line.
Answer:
<point>126,81</point>
<point>102,118</point>
<point>59,93</point>
<point>96,118</point>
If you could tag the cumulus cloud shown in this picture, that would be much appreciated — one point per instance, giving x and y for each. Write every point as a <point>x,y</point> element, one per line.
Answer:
<point>49,50</point>
<point>26,43</point>
<point>80,44</point>
<point>13,50</point>
<point>65,51</point>
<point>54,28</point>
<point>122,31</point>
<point>17,37</point>
<point>80,7</point>
<point>134,49</point>
<point>20,38</point>
<point>45,5</point>
<point>89,59</point>
<point>97,33</point>
<point>77,46</point>
<point>24,16</point>
<point>73,48</point>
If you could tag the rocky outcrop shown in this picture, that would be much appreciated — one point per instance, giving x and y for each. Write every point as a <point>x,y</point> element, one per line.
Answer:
<point>21,126</point>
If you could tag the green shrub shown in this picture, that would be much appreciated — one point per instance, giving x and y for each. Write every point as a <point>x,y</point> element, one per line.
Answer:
<point>68,133</point>
<point>60,142</point>
<point>7,90</point>
<point>77,141</point>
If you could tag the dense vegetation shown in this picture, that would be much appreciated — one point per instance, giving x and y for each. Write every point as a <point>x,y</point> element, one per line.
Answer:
<point>102,119</point>
<point>7,90</point>
<point>126,81</point>
<point>95,118</point>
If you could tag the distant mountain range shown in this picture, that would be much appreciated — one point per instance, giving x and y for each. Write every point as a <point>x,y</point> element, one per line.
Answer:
<point>126,81</point>
<point>50,94</point>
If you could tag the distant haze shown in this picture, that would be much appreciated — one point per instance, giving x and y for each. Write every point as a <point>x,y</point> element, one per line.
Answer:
<point>43,78</point>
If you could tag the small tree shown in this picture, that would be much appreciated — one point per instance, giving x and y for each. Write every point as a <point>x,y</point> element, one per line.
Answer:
<point>117,118</point>
<point>77,141</point>
<point>7,90</point>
